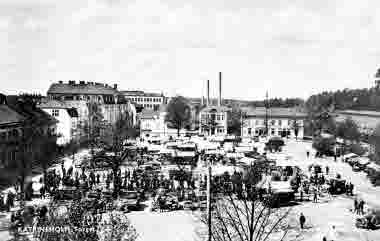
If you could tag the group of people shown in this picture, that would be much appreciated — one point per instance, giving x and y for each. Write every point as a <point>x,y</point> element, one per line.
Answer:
<point>359,206</point>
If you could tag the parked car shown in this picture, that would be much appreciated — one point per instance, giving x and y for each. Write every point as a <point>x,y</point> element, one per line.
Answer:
<point>337,186</point>
<point>130,200</point>
<point>369,221</point>
<point>186,205</point>
<point>67,193</point>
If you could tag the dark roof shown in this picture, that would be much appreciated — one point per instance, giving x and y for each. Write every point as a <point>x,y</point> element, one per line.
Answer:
<point>9,116</point>
<point>275,112</point>
<point>73,112</point>
<point>89,89</point>
<point>215,107</point>
<point>30,111</point>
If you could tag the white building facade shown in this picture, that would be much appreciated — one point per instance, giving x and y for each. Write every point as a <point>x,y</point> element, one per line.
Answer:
<point>146,100</point>
<point>213,120</point>
<point>67,117</point>
<point>281,122</point>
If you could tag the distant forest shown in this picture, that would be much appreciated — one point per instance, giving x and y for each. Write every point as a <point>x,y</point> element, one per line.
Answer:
<point>355,99</point>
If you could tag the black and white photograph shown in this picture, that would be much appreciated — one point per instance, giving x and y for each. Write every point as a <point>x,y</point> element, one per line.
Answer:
<point>197,120</point>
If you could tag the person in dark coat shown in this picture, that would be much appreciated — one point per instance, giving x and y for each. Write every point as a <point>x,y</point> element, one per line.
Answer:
<point>302,220</point>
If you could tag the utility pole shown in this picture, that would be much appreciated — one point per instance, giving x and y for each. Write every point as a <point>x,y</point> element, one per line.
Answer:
<point>209,223</point>
<point>266,114</point>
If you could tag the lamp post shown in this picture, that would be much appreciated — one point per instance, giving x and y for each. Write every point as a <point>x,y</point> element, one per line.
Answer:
<point>209,200</point>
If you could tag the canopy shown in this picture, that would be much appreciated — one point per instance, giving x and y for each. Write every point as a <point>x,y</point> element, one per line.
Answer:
<point>350,155</point>
<point>363,160</point>
<point>373,166</point>
<point>234,155</point>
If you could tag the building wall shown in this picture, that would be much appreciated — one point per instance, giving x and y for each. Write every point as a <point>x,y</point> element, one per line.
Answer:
<point>66,124</point>
<point>255,126</point>
<point>9,151</point>
<point>220,120</point>
<point>149,102</point>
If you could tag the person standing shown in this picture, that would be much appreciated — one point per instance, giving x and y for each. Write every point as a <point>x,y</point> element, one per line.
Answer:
<point>327,170</point>
<point>307,153</point>
<point>302,220</point>
<point>315,199</point>
<point>356,204</point>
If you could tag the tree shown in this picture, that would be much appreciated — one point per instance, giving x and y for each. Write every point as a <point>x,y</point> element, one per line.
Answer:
<point>375,143</point>
<point>114,138</point>
<point>324,145</point>
<point>178,113</point>
<point>80,224</point>
<point>234,121</point>
<point>348,130</point>
<point>250,216</point>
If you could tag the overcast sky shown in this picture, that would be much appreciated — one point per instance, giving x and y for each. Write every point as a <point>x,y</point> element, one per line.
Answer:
<point>292,48</point>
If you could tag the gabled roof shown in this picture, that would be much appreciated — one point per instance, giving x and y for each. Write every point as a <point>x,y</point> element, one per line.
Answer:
<point>274,112</point>
<point>29,111</point>
<point>9,116</point>
<point>90,89</point>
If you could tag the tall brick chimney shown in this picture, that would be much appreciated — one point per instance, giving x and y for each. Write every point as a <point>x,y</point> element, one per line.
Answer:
<point>220,90</point>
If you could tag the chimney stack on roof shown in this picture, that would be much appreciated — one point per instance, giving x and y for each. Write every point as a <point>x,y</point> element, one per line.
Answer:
<point>60,82</point>
<point>115,86</point>
<point>220,89</point>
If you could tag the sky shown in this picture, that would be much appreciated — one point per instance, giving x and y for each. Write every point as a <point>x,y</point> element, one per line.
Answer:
<point>290,48</point>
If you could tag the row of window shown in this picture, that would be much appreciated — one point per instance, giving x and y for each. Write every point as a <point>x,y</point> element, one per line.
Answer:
<point>272,122</point>
<point>272,131</point>
<point>9,134</point>
<point>141,99</point>
<point>218,117</point>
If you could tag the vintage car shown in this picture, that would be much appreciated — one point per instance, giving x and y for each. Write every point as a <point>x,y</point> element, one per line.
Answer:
<point>337,186</point>
<point>67,193</point>
<point>369,221</point>
<point>128,200</point>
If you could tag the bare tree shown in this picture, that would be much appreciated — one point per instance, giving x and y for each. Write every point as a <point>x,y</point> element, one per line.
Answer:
<point>248,216</point>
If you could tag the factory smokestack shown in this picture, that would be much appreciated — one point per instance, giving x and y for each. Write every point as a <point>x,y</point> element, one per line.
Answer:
<point>220,89</point>
<point>208,93</point>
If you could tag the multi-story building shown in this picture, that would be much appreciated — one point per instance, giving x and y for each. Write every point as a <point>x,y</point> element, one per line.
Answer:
<point>282,122</point>
<point>19,121</point>
<point>113,106</point>
<point>145,100</point>
<point>67,117</point>
<point>213,119</point>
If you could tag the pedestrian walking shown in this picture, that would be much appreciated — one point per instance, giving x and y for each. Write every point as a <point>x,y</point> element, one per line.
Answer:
<point>301,195</point>
<point>307,153</point>
<point>302,220</point>
<point>361,207</point>
<point>315,199</point>
<point>356,204</point>
<point>327,170</point>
